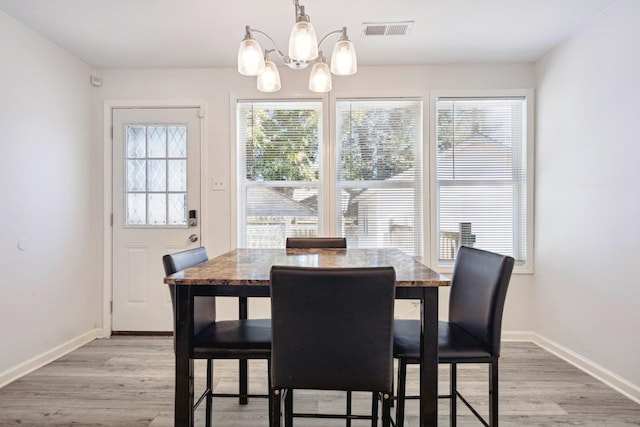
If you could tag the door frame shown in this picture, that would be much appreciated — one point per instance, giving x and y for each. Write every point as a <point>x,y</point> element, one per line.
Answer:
<point>107,188</point>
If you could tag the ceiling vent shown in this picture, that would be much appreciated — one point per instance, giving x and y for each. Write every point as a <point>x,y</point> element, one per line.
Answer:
<point>387,28</point>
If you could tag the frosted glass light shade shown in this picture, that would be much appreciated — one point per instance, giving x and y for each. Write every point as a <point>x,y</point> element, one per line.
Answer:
<point>269,79</point>
<point>344,61</point>
<point>250,58</point>
<point>320,78</point>
<point>303,43</point>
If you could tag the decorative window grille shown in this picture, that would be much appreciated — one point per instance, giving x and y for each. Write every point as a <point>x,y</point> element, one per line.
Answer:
<point>156,175</point>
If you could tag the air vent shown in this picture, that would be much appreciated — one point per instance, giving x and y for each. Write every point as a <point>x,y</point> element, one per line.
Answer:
<point>387,28</point>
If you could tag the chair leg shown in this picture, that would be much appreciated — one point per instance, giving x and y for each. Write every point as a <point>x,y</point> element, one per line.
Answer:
<point>209,398</point>
<point>243,381</point>
<point>271,403</point>
<point>349,407</point>
<point>453,390</point>
<point>374,409</point>
<point>493,394</point>
<point>276,407</point>
<point>288,408</point>
<point>386,410</point>
<point>402,390</point>
<point>393,387</point>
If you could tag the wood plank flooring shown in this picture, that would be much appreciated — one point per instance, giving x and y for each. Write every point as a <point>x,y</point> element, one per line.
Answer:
<point>128,381</point>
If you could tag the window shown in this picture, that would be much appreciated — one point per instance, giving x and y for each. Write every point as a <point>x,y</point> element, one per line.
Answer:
<point>279,171</point>
<point>375,173</point>
<point>379,173</point>
<point>482,180</point>
<point>156,175</point>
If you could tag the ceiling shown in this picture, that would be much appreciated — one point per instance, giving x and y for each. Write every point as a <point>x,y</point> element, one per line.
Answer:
<point>207,33</point>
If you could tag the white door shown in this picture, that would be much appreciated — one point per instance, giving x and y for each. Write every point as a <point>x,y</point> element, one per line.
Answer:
<point>156,189</point>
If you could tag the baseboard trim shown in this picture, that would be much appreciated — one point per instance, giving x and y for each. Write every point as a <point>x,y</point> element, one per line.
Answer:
<point>142,333</point>
<point>49,356</point>
<point>627,388</point>
<point>517,336</point>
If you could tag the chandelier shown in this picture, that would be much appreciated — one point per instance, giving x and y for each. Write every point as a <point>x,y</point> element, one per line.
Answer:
<point>303,50</point>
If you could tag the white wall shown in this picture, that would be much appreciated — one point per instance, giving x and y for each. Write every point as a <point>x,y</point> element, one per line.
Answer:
<point>50,293</point>
<point>583,298</point>
<point>587,289</point>
<point>219,86</point>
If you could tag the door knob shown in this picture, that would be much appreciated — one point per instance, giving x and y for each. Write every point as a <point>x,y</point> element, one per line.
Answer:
<point>193,238</point>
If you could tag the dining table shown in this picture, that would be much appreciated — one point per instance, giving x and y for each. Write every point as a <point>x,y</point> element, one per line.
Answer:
<point>245,273</point>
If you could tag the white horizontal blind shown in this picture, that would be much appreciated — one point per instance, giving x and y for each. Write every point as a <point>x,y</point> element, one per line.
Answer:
<point>279,169</point>
<point>379,173</point>
<point>481,176</point>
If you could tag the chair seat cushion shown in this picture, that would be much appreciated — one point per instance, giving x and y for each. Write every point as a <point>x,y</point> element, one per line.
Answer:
<point>250,335</point>
<point>455,345</point>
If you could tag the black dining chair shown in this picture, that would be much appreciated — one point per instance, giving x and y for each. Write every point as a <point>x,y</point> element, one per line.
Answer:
<point>241,339</point>
<point>472,334</point>
<point>316,242</point>
<point>332,330</point>
<point>319,243</point>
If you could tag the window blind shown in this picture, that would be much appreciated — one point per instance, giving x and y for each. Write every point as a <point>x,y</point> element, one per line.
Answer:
<point>279,169</point>
<point>481,176</point>
<point>379,173</point>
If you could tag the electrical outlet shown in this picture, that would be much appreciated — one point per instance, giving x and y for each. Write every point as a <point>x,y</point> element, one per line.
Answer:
<point>218,184</point>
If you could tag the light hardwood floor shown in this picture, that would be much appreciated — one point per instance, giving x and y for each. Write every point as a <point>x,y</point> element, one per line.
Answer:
<point>128,381</point>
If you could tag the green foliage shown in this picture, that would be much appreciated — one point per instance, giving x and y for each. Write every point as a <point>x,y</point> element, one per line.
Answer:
<point>376,144</point>
<point>282,145</point>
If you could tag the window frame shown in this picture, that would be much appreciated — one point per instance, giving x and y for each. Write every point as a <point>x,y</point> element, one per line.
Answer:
<point>420,156</point>
<point>525,267</point>
<point>239,185</point>
<point>326,214</point>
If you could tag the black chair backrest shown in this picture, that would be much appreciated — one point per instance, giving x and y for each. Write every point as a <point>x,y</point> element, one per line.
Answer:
<point>316,242</point>
<point>180,260</point>
<point>478,291</point>
<point>204,308</point>
<point>332,329</point>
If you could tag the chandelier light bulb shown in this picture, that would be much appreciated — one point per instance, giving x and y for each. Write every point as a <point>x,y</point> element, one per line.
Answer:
<point>250,59</point>
<point>343,59</point>
<point>320,78</point>
<point>269,79</point>
<point>303,42</point>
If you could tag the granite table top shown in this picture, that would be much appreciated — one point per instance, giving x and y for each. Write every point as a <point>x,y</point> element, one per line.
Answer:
<point>252,266</point>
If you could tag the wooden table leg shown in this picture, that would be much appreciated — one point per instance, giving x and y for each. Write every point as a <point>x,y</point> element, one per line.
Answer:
<point>183,414</point>
<point>429,358</point>
<point>243,376</point>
